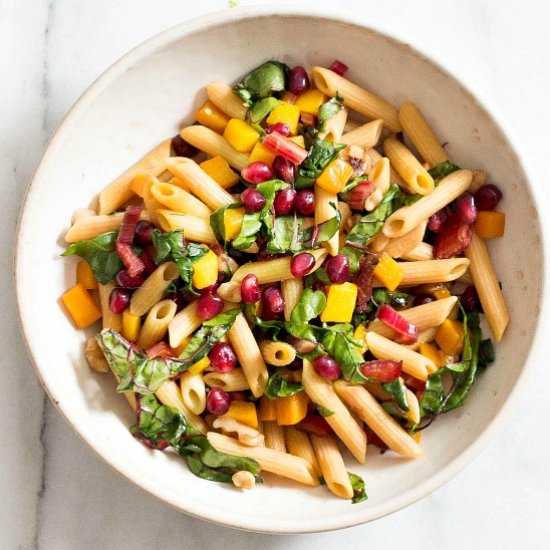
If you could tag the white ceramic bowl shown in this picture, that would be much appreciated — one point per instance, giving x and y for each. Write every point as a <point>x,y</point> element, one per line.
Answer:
<point>145,97</point>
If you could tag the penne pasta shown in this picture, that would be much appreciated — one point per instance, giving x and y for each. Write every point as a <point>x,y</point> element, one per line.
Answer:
<point>109,319</point>
<point>174,198</point>
<point>224,98</point>
<point>399,246</point>
<point>298,444</point>
<point>152,290</point>
<point>194,228</point>
<point>421,252</point>
<point>183,324</point>
<point>366,135</point>
<point>193,392</point>
<point>156,323</point>
<point>89,227</point>
<point>326,205</point>
<point>380,175</point>
<point>431,271</point>
<point>292,290</point>
<point>278,354</point>
<point>234,380</point>
<point>274,436</point>
<point>334,126</point>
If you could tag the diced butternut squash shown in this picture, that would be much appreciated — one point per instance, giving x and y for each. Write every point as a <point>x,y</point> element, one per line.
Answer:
<point>340,303</point>
<point>285,113</point>
<point>218,169</point>
<point>243,411</point>
<point>268,409</point>
<point>310,101</point>
<point>432,352</point>
<point>441,292</point>
<point>450,337</point>
<point>212,117</point>
<point>298,140</point>
<point>205,270</point>
<point>232,222</point>
<point>291,409</point>
<point>130,326</point>
<point>199,366</point>
<point>240,135</point>
<point>85,276</point>
<point>360,335</point>
<point>81,306</point>
<point>490,224</point>
<point>335,176</point>
<point>261,153</point>
<point>388,272</point>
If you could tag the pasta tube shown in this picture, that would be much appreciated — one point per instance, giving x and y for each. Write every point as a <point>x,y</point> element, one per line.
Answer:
<point>224,98</point>
<point>365,136</point>
<point>152,290</point>
<point>431,271</point>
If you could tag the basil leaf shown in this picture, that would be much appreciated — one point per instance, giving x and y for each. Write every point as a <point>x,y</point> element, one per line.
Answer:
<point>249,229</point>
<point>323,411</point>
<point>404,199</point>
<point>343,349</point>
<point>443,169</point>
<point>260,109</point>
<point>100,254</point>
<point>283,232</point>
<point>262,82</point>
<point>309,306</point>
<point>277,386</point>
<point>398,391</point>
<point>217,221</point>
<point>327,110</point>
<point>358,486</point>
<point>322,152</point>
<point>393,410</point>
<point>384,296</point>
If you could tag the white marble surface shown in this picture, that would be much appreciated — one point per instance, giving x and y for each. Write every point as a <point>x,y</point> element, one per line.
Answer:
<point>54,492</point>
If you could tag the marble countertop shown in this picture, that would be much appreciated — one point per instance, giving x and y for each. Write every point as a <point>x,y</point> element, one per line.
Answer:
<point>55,493</point>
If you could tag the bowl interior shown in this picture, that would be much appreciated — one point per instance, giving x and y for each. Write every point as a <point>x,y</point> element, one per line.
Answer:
<point>146,98</point>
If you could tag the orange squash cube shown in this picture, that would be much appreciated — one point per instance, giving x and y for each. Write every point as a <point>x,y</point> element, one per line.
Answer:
<point>432,352</point>
<point>240,135</point>
<point>335,176</point>
<point>291,409</point>
<point>244,412</point>
<point>220,171</point>
<point>388,272</point>
<point>81,306</point>
<point>450,337</point>
<point>490,224</point>
<point>340,303</point>
<point>210,116</point>
<point>85,276</point>
<point>268,409</point>
<point>261,153</point>
<point>310,101</point>
<point>232,222</point>
<point>285,113</point>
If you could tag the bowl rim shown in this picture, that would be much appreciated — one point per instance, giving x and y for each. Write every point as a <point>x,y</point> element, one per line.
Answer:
<point>226,16</point>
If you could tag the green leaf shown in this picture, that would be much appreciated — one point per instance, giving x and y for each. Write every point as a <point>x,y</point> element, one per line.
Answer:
<point>339,343</point>
<point>353,183</point>
<point>398,391</point>
<point>283,232</point>
<point>261,108</point>
<point>277,386</point>
<point>320,155</point>
<point>358,485</point>
<point>404,199</point>
<point>262,82</point>
<point>443,169</point>
<point>217,221</point>
<point>323,411</point>
<point>309,306</point>
<point>249,229</point>
<point>327,110</point>
<point>384,296</point>
<point>100,254</point>
<point>486,352</point>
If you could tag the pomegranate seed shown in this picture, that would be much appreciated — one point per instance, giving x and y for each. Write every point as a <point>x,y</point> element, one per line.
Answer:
<point>281,127</point>
<point>298,81</point>
<point>272,303</point>
<point>124,280</point>
<point>209,289</point>
<point>305,202</point>
<point>129,223</point>
<point>237,395</point>
<point>256,172</point>
<point>208,306</point>
<point>144,233</point>
<point>466,208</point>
<point>327,367</point>
<point>358,195</point>
<point>318,285</point>
<point>338,269</point>
<point>283,169</point>
<point>487,197</point>
<point>284,202</point>
<point>250,289</point>
<point>339,68</point>
<point>436,220</point>
<point>470,299</point>
<point>302,264</point>
<point>413,383</point>
<point>217,401</point>
<point>453,238</point>
<point>222,357</point>
<point>119,299</point>
<point>147,258</point>
<point>383,370</point>
<point>182,148</point>
<point>253,200</point>
<point>422,298</point>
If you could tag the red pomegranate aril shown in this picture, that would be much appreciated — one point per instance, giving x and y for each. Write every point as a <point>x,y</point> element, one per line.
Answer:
<point>326,367</point>
<point>119,299</point>
<point>147,259</point>
<point>382,370</point>
<point>237,395</point>
<point>208,306</point>
<point>338,269</point>
<point>435,221</point>
<point>407,333</point>
<point>302,264</point>
<point>487,197</point>
<point>339,68</point>
<point>358,195</point>
<point>177,298</point>
<point>124,280</point>
<point>182,148</point>
<point>217,401</point>
<point>298,81</point>
<point>466,208</point>
<point>250,289</point>
<point>256,172</point>
<point>209,289</point>
<point>129,223</point>
<point>283,169</point>
<point>453,238</point>
<point>422,298</point>
<point>470,299</point>
<point>144,233</point>
<point>305,202</point>
<point>284,202</point>
<point>253,200</point>
<point>272,302</point>
<point>281,127</point>
<point>222,357</point>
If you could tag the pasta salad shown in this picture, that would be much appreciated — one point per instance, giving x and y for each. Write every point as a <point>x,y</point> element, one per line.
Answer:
<point>300,272</point>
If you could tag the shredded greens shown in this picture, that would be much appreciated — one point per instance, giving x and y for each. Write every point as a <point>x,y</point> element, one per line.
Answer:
<point>263,81</point>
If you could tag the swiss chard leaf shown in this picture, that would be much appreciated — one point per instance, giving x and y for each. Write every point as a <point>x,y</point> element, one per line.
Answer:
<point>323,411</point>
<point>277,386</point>
<point>261,109</point>
<point>385,296</point>
<point>309,306</point>
<point>217,221</point>
<point>443,169</point>
<point>339,343</point>
<point>358,486</point>
<point>322,152</point>
<point>398,391</point>
<point>100,254</point>
<point>263,81</point>
<point>332,107</point>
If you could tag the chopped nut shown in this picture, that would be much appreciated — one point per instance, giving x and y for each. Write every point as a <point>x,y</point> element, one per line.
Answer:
<point>243,480</point>
<point>245,434</point>
<point>95,356</point>
<point>357,157</point>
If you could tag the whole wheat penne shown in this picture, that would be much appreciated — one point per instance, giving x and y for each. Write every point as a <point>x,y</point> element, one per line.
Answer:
<point>414,407</point>
<point>152,290</point>
<point>109,319</point>
<point>352,124</point>
<point>278,354</point>
<point>274,436</point>
<point>408,217</point>
<point>224,98</point>
<point>466,278</point>
<point>356,98</point>
<point>89,227</point>
<point>193,392</point>
<point>422,251</point>
<point>426,335</point>
<point>431,271</point>
<point>366,135</point>
<point>183,324</point>
<point>194,228</point>
<point>398,247</point>
<point>375,156</point>
<point>118,191</point>
<point>299,444</point>
<point>292,290</point>
<point>488,288</point>
<point>234,380</point>
<point>380,175</point>
<point>346,428</point>
<point>156,323</point>
<point>326,205</point>
<point>334,126</point>
<point>270,460</point>
<point>377,419</point>
<point>175,198</point>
